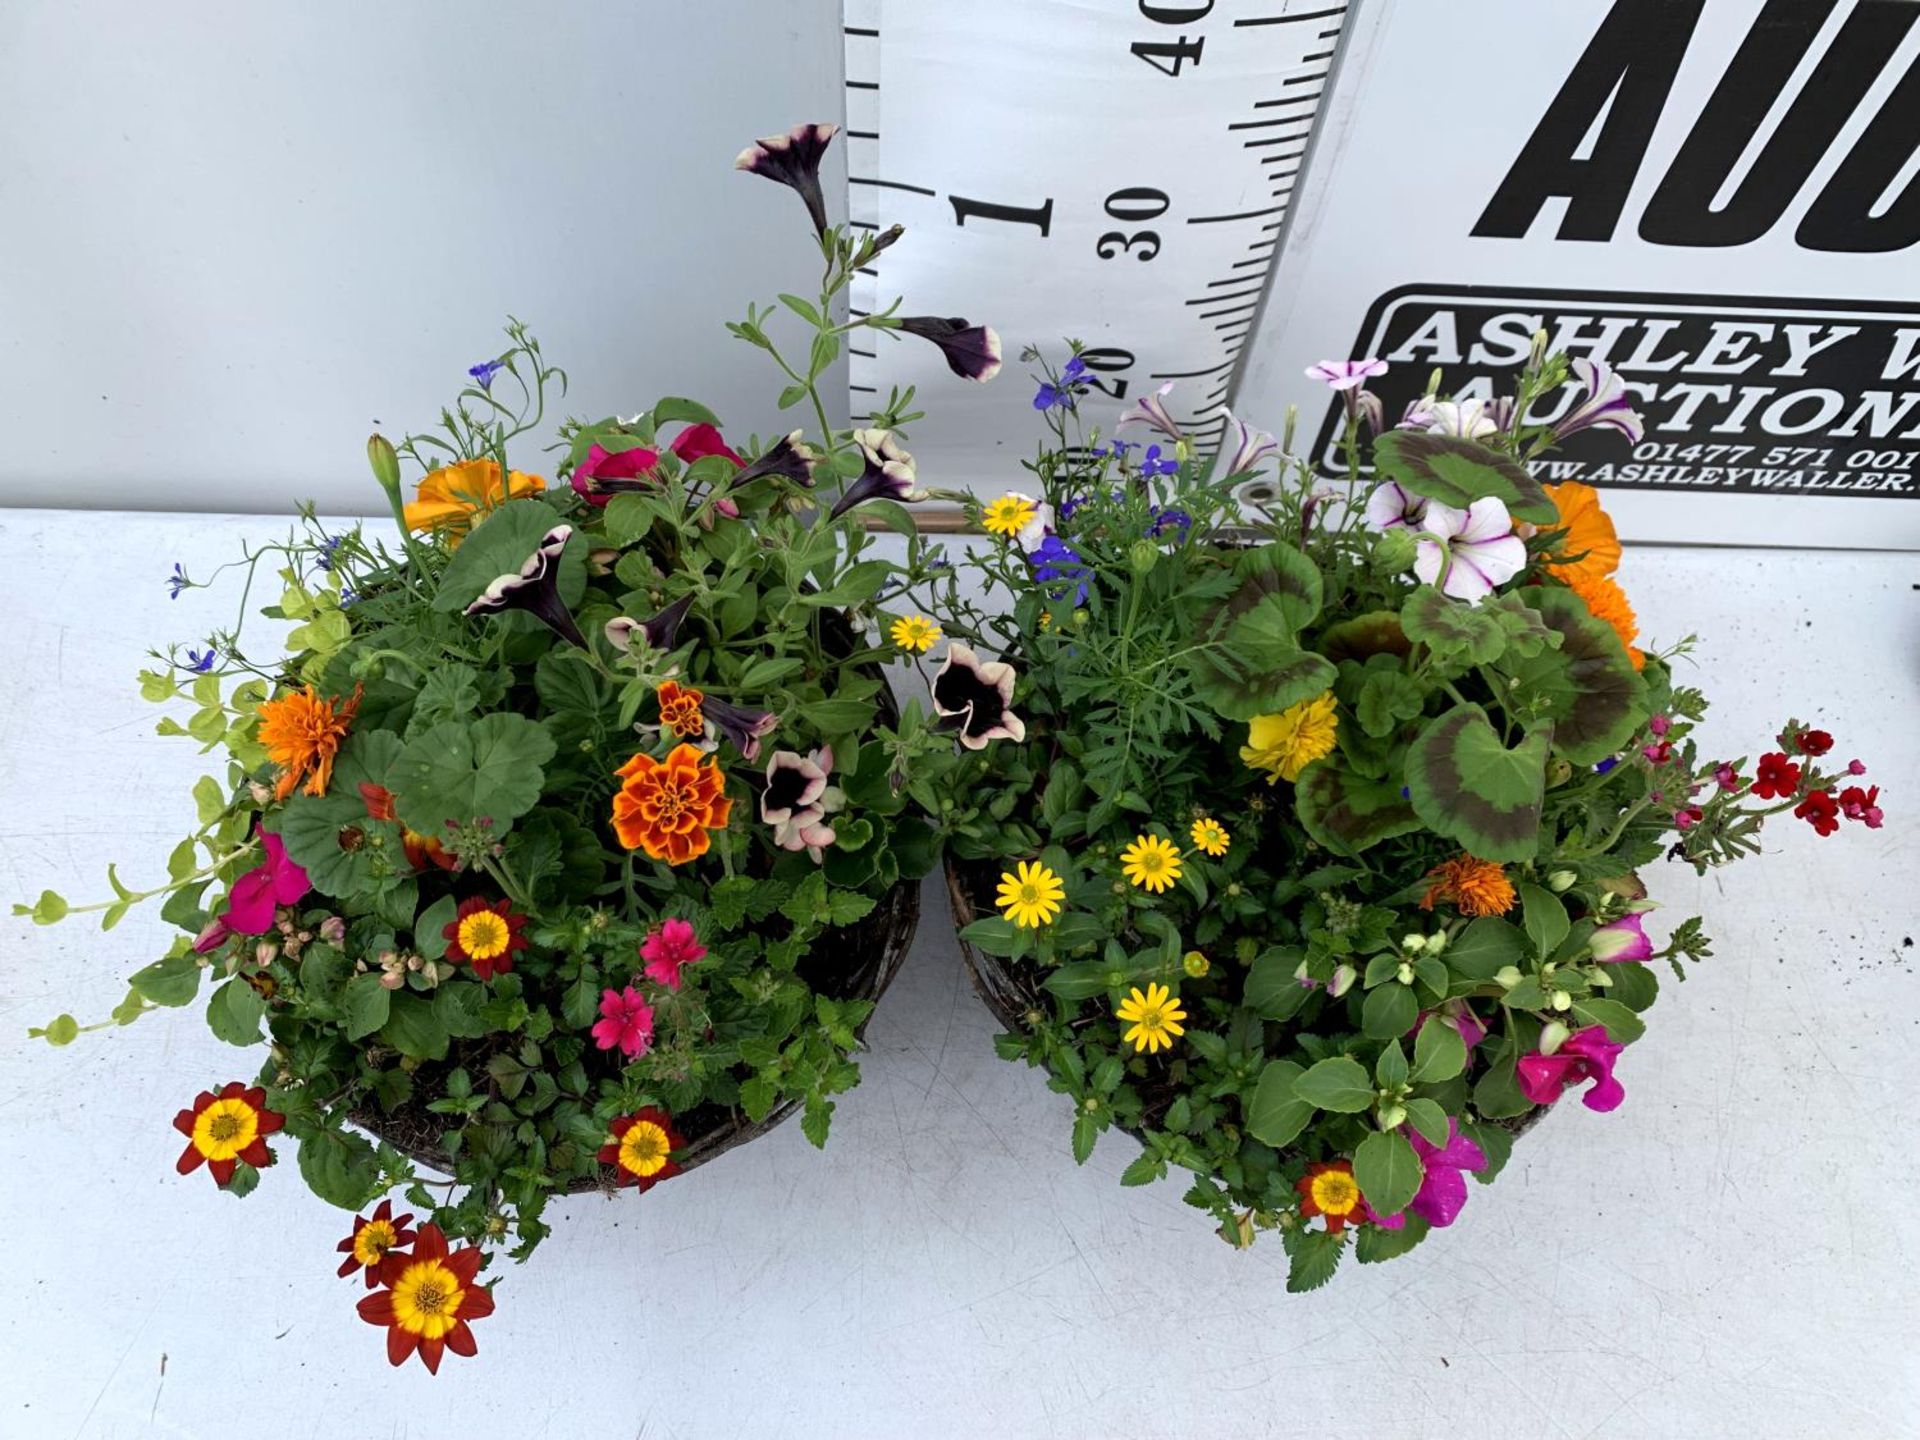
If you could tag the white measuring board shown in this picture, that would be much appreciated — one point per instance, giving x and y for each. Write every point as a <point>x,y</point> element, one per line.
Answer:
<point>1118,172</point>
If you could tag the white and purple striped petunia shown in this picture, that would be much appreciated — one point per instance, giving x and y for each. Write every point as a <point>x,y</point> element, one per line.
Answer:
<point>1606,404</point>
<point>1152,410</point>
<point>1468,553</point>
<point>1344,375</point>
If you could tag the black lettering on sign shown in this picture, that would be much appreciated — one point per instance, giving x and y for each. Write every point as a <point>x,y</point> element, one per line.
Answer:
<point>1842,217</point>
<point>1624,75</point>
<point>1040,215</point>
<point>1745,395</point>
<point>1681,212</point>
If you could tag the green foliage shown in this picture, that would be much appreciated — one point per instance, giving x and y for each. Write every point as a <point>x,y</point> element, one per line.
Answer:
<point>1458,472</point>
<point>1471,788</point>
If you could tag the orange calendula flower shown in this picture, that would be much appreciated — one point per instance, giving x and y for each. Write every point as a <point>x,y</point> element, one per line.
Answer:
<point>454,496</point>
<point>680,709</point>
<point>226,1129</point>
<point>1329,1189</point>
<point>301,734</point>
<point>1604,597</point>
<point>667,807</point>
<point>430,1296</point>
<point>1589,530</point>
<point>1473,886</point>
<point>373,1236</point>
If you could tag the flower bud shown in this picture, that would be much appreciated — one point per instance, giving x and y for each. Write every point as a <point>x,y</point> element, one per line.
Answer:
<point>1404,973</point>
<point>1393,1117</point>
<point>265,952</point>
<point>385,463</point>
<point>392,979</point>
<point>1436,942</point>
<point>1142,556</point>
<point>1080,619</point>
<point>1561,881</point>
<point>1287,428</point>
<point>1393,552</point>
<point>1413,944</point>
<point>1195,964</point>
<point>1562,1000</point>
<point>1552,1036</point>
<point>1343,978</point>
<point>261,793</point>
<point>333,930</point>
<point>1507,976</point>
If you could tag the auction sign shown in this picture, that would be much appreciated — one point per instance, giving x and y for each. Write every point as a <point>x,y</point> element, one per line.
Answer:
<point>1718,198</point>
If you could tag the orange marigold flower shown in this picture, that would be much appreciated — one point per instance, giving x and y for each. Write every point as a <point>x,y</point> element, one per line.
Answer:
<point>1475,886</point>
<point>430,1296</point>
<point>1604,597</point>
<point>666,807</point>
<point>1589,531</point>
<point>301,734</point>
<point>452,497</point>
<point>227,1129</point>
<point>680,709</point>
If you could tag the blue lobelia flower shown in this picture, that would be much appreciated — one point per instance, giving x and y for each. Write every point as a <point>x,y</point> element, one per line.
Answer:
<point>177,582</point>
<point>200,662</point>
<point>1072,385</point>
<point>323,555</point>
<point>1169,519</point>
<point>1151,464</point>
<point>484,372</point>
<point>1058,564</point>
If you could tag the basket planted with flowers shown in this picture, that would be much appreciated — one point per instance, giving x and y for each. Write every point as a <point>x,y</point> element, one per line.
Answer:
<point>1314,858</point>
<point>566,843</point>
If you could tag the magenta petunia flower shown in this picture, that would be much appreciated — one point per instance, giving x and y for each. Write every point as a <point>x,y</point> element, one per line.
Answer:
<point>1443,1188</point>
<point>602,474</point>
<point>1468,553</point>
<point>1585,1055</point>
<point>1458,1014</point>
<point>256,896</point>
<point>1622,939</point>
<point>669,948</point>
<point>626,1023</point>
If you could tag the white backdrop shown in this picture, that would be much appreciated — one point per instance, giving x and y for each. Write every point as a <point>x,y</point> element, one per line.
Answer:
<point>237,234</point>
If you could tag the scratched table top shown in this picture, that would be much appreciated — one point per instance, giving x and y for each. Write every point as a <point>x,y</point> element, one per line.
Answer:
<point>1731,1253</point>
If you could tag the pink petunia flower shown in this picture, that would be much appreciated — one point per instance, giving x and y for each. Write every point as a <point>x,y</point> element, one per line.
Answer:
<point>668,949</point>
<point>256,896</point>
<point>602,474</point>
<point>1623,939</point>
<point>1586,1055</point>
<point>1459,1014</point>
<point>626,1023</point>
<point>1443,1188</point>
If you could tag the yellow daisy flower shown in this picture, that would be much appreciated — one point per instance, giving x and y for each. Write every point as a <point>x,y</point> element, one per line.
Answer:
<point>1151,862</point>
<point>1285,744</point>
<point>915,633</point>
<point>1154,1018</point>
<point>1210,836</point>
<point>1030,895</point>
<point>1009,515</point>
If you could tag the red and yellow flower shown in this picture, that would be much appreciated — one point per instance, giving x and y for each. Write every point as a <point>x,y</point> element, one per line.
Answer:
<point>1471,885</point>
<point>642,1146</point>
<point>373,1237</point>
<point>1329,1189</point>
<point>667,807</point>
<point>680,709</point>
<point>421,850</point>
<point>302,733</point>
<point>430,1296</point>
<point>227,1128</point>
<point>486,935</point>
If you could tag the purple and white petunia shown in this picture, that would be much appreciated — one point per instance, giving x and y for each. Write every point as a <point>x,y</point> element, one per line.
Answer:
<point>888,475</point>
<point>1468,553</point>
<point>798,798</point>
<point>1606,405</point>
<point>657,633</point>
<point>1250,447</point>
<point>793,159</point>
<point>535,588</point>
<point>1392,507</point>
<point>1345,375</point>
<point>745,728</point>
<point>977,693</point>
<point>791,458</point>
<point>1151,410</point>
<point>972,351</point>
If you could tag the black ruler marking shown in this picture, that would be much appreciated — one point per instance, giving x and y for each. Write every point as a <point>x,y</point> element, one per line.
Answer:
<point>1187,374</point>
<point>1277,120</point>
<point>891,185</point>
<point>1291,19</point>
<point>1243,215</point>
<point>1290,100</point>
<point>1230,295</point>
<point>863,84</point>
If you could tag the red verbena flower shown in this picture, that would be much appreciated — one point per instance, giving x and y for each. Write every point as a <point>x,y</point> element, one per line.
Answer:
<point>1728,779</point>
<point>373,1236</point>
<point>430,1296</point>
<point>626,1022</point>
<point>641,1147</point>
<point>227,1128</point>
<point>1819,811</point>
<point>669,948</point>
<point>1814,742</point>
<point>1777,779</point>
<point>485,935</point>
<point>1862,805</point>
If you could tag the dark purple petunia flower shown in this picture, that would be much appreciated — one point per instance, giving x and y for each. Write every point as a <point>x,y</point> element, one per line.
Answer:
<point>793,159</point>
<point>972,351</point>
<point>888,474</point>
<point>535,588</point>
<point>1058,564</point>
<point>978,694</point>
<point>745,728</point>
<point>791,458</point>
<point>658,633</point>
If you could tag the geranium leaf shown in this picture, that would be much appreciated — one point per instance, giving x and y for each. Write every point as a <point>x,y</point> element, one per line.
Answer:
<point>490,768</point>
<point>1587,690</point>
<point>1280,575</point>
<point>1378,632</point>
<point>1468,786</point>
<point>500,545</point>
<point>1451,629</point>
<point>1458,472</point>
<point>1239,692</point>
<point>343,849</point>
